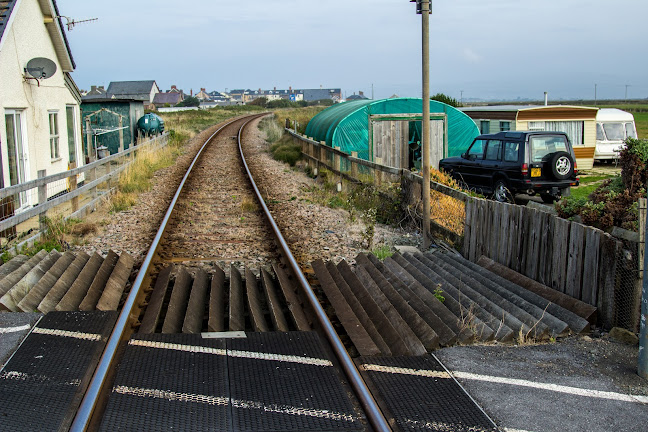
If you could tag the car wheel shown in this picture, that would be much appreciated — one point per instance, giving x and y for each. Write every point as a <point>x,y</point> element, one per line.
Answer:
<point>501,191</point>
<point>561,165</point>
<point>548,198</point>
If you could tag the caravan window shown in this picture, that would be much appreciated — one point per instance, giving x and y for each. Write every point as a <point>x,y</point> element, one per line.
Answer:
<point>600,135</point>
<point>614,131</point>
<point>630,130</point>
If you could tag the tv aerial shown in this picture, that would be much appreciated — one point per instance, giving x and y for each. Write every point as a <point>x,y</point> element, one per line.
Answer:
<point>71,22</point>
<point>39,68</point>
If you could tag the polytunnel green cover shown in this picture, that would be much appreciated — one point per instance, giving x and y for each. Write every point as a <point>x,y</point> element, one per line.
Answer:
<point>346,125</point>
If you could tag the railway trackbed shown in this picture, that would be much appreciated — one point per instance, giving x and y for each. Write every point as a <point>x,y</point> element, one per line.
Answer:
<point>220,330</point>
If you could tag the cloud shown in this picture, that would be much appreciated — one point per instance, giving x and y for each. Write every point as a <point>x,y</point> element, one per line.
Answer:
<point>471,56</point>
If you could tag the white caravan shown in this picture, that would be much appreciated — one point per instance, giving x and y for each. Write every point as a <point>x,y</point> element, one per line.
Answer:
<point>613,126</point>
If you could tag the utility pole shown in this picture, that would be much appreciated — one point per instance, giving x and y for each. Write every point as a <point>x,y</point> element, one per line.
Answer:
<point>461,97</point>
<point>626,93</point>
<point>372,94</point>
<point>595,94</point>
<point>424,7</point>
<point>642,369</point>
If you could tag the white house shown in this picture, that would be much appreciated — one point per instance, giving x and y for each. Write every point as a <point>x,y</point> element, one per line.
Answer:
<point>40,119</point>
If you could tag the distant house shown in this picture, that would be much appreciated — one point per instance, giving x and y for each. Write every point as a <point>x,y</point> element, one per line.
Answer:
<point>175,89</point>
<point>334,94</point>
<point>167,99</point>
<point>144,91</point>
<point>202,95</point>
<point>578,122</point>
<point>359,96</point>
<point>109,122</point>
<point>96,91</point>
<point>40,124</point>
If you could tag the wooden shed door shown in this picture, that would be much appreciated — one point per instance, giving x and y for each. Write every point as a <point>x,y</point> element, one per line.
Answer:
<point>390,143</point>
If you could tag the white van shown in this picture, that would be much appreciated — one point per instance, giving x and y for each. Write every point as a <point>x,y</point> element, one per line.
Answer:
<point>613,126</point>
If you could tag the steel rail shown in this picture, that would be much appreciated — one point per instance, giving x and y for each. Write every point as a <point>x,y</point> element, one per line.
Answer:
<point>373,412</point>
<point>87,407</point>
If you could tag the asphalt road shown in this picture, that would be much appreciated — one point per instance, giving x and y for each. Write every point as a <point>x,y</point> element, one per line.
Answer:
<point>576,384</point>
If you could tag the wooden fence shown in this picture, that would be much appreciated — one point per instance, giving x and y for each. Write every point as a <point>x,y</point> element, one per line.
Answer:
<point>581,261</point>
<point>578,260</point>
<point>98,178</point>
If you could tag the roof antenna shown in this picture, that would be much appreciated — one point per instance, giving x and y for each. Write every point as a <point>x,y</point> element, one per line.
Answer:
<point>71,22</point>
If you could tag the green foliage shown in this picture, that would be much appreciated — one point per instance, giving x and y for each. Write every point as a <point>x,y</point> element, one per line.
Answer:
<point>189,101</point>
<point>438,293</point>
<point>259,102</point>
<point>440,97</point>
<point>272,130</point>
<point>383,251</point>
<point>286,151</point>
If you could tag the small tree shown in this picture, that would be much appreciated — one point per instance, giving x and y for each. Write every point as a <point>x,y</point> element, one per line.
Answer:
<point>262,102</point>
<point>189,101</point>
<point>440,97</point>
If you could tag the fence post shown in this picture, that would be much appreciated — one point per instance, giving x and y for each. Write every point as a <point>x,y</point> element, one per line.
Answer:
<point>378,173</point>
<point>73,185</point>
<point>354,165</point>
<point>322,157</point>
<point>643,330</point>
<point>42,199</point>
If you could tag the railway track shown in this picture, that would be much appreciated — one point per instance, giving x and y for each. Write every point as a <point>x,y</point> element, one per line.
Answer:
<point>174,244</point>
<point>216,333</point>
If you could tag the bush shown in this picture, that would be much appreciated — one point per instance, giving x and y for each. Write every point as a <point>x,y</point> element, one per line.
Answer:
<point>286,151</point>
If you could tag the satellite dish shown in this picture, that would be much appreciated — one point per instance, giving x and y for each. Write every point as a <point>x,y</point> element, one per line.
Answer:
<point>40,68</point>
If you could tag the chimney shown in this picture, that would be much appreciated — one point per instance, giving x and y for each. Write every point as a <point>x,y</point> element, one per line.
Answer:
<point>173,87</point>
<point>320,86</point>
<point>202,89</point>
<point>93,88</point>
<point>290,89</point>
<point>361,93</point>
<point>546,98</point>
<point>101,88</point>
<point>190,92</point>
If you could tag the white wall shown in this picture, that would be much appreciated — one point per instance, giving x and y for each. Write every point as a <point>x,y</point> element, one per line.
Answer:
<point>27,38</point>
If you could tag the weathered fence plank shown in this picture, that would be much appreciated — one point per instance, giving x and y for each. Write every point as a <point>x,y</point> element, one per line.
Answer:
<point>504,229</point>
<point>591,265</point>
<point>560,243</point>
<point>575,255</point>
<point>494,231</point>
<point>545,237</point>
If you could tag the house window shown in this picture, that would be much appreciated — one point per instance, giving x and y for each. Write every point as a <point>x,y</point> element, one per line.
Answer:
<point>54,135</point>
<point>484,126</point>
<point>71,121</point>
<point>505,126</point>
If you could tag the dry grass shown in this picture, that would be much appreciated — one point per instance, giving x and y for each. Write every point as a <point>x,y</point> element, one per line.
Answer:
<point>301,115</point>
<point>83,228</point>
<point>248,205</point>
<point>445,210</point>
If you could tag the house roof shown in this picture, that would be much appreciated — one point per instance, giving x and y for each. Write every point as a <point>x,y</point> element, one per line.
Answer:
<point>137,89</point>
<point>53,24</point>
<point>6,7</point>
<point>104,99</point>
<point>167,98</point>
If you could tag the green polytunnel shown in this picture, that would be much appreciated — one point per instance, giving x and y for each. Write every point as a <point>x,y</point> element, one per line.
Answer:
<point>346,125</point>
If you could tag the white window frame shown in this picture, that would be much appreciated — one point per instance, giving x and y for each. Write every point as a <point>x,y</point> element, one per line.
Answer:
<point>54,136</point>
<point>75,126</point>
<point>24,198</point>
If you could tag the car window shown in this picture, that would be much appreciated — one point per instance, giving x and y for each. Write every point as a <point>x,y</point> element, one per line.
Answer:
<point>630,130</point>
<point>494,150</point>
<point>543,145</point>
<point>511,151</point>
<point>476,151</point>
<point>600,135</point>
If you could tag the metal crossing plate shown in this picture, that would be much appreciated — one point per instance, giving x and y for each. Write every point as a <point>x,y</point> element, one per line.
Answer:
<point>43,383</point>
<point>264,382</point>
<point>421,395</point>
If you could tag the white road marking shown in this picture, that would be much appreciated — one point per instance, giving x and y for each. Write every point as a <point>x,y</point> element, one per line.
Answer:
<point>577,391</point>
<point>22,376</point>
<point>511,381</point>
<point>405,371</point>
<point>66,333</point>
<point>232,353</point>
<point>14,329</point>
<point>221,401</point>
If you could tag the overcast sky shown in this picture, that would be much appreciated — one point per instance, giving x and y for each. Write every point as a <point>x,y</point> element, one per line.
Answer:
<point>500,49</point>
